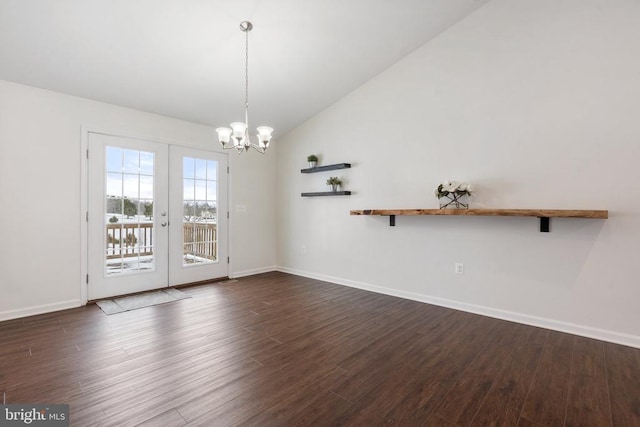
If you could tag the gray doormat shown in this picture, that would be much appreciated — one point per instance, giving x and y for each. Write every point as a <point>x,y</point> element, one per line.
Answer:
<point>147,299</point>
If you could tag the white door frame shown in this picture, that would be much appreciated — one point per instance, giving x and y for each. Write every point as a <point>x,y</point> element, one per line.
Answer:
<point>85,130</point>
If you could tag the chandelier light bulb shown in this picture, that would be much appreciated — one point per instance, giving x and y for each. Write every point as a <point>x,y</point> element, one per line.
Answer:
<point>239,129</point>
<point>264,135</point>
<point>224,135</point>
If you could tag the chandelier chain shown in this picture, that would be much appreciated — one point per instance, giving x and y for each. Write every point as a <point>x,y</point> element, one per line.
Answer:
<point>246,71</point>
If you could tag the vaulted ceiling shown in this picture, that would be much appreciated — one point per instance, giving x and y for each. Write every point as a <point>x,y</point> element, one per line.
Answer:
<point>185,58</point>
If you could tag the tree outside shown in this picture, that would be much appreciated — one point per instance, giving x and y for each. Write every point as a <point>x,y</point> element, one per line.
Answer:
<point>130,208</point>
<point>148,210</point>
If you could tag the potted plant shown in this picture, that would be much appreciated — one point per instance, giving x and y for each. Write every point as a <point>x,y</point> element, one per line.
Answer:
<point>313,160</point>
<point>453,194</point>
<point>334,182</point>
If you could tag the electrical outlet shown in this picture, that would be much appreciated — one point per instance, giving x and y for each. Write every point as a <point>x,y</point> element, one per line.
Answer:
<point>459,268</point>
<point>303,249</point>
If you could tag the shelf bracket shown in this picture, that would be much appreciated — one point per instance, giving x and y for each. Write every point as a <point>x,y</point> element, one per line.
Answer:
<point>544,224</point>
<point>392,220</point>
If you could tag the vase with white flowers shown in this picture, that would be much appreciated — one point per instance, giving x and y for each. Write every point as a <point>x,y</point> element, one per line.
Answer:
<point>453,195</point>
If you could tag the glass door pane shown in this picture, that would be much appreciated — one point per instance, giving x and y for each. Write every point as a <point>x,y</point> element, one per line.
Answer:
<point>128,211</point>
<point>199,202</point>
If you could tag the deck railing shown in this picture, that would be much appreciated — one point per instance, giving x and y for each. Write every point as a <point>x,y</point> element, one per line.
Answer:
<point>130,240</point>
<point>200,239</point>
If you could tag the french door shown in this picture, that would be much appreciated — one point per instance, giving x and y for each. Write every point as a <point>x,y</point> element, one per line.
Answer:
<point>198,215</point>
<point>153,215</point>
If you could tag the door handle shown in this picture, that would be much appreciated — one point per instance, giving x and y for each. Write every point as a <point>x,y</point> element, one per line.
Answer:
<point>164,223</point>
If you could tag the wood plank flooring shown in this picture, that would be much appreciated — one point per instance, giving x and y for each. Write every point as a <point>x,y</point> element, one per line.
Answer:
<point>281,350</point>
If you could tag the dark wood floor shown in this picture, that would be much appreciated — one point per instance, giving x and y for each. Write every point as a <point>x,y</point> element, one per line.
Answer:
<point>281,350</point>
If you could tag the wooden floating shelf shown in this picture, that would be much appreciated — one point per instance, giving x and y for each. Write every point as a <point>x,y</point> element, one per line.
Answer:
<point>327,193</point>
<point>326,168</point>
<point>543,214</point>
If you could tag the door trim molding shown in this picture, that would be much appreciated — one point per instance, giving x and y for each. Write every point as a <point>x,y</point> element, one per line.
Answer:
<point>84,209</point>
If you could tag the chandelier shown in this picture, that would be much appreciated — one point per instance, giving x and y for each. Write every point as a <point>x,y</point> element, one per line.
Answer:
<point>238,135</point>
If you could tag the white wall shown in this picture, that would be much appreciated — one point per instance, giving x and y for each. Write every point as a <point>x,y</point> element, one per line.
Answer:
<point>40,178</point>
<point>536,104</point>
<point>253,211</point>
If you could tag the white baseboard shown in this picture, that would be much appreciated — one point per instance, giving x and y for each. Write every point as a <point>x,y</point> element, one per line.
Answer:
<point>251,272</point>
<point>556,325</point>
<point>39,309</point>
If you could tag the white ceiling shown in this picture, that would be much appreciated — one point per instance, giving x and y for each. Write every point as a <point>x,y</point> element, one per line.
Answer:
<point>185,58</point>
